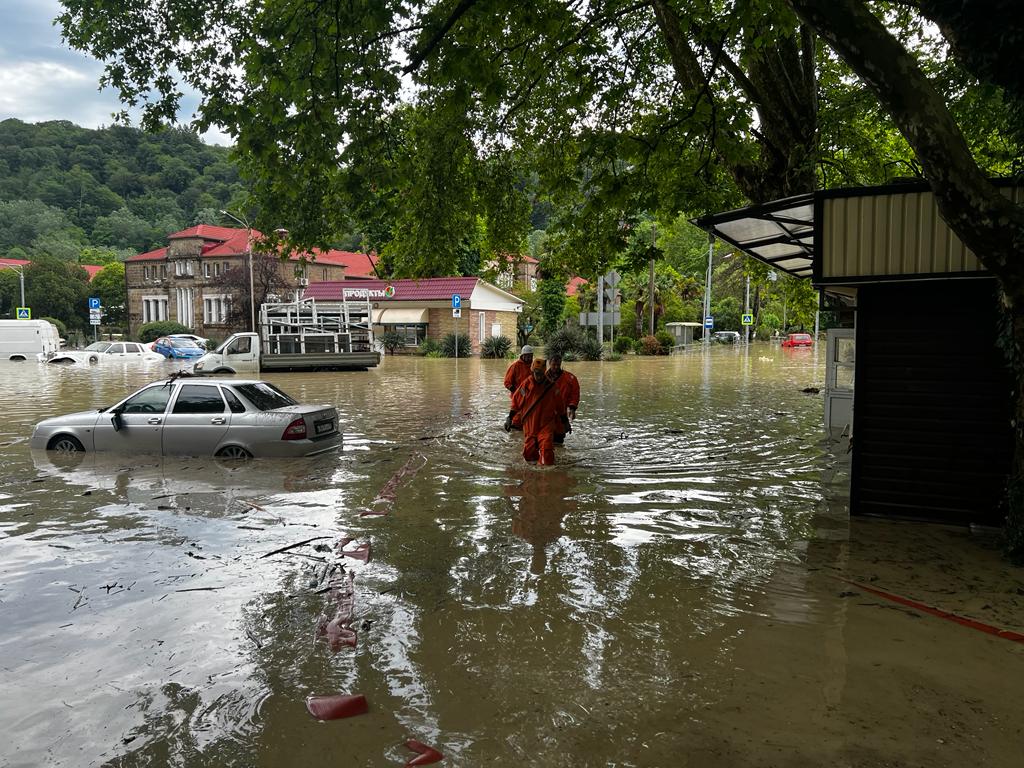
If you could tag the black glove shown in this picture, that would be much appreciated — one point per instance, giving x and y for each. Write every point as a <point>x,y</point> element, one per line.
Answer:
<point>507,426</point>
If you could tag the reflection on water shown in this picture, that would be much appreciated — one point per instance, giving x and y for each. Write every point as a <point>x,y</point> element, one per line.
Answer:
<point>664,595</point>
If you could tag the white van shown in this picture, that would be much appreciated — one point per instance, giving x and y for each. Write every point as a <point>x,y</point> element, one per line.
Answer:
<point>28,340</point>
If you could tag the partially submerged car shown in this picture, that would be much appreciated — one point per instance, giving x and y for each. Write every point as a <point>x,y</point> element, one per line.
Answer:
<point>726,337</point>
<point>201,342</point>
<point>238,419</point>
<point>102,351</point>
<point>175,347</point>
<point>798,340</point>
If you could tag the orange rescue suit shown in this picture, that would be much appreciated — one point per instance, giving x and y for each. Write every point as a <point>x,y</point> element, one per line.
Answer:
<point>516,374</point>
<point>540,410</point>
<point>569,387</point>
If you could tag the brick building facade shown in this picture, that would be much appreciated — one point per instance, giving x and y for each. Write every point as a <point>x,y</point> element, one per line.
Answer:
<point>178,283</point>
<point>422,309</point>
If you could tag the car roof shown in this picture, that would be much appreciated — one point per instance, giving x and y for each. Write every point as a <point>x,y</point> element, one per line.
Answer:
<point>209,382</point>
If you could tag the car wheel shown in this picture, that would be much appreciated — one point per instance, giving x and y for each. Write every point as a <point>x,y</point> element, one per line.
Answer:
<point>233,452</point>
<point>65,444</point>
<point>223,370</point>
<point>94,359</point>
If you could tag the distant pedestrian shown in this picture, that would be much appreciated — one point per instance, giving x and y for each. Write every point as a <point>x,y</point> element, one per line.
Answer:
<point>515,376</point>
<point>540,411</point>
<point>569,388</point>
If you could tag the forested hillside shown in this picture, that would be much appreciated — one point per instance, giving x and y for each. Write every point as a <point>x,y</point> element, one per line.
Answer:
<point>77,194</point>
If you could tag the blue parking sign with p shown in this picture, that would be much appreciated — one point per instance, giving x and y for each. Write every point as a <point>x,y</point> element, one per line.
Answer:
<point>456,301</point>
<point>94,302</point>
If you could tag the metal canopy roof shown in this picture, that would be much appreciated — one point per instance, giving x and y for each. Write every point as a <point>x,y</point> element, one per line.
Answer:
<point>779,233</point>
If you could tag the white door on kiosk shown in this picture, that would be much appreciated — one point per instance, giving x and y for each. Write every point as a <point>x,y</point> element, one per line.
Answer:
<point>840,364</point>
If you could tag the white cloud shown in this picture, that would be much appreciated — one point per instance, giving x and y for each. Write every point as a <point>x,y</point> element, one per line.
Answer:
<point>41,79</point>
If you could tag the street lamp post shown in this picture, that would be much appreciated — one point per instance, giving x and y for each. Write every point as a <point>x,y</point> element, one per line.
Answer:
<point>248,254</point>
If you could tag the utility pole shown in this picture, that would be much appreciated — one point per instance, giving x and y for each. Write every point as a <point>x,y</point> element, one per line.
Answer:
<point>600,309</point>
<point>707,290</point>
<point>650,281</point>
<point>746,311</point>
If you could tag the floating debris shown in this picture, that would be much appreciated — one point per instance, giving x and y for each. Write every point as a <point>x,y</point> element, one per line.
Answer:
<point>336,707</point>
<point>425,755</point>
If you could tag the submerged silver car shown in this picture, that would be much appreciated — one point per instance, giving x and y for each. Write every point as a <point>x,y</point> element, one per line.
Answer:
<point>187,417</point>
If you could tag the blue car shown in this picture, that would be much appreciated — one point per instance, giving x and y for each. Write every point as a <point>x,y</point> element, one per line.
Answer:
<point>177,348</point>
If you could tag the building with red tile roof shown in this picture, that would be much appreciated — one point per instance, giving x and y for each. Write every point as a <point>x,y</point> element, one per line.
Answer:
<point>423,309</point>
<point>181,281</point>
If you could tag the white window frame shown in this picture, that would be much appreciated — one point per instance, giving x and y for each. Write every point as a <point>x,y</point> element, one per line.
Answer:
<point>154,309</point>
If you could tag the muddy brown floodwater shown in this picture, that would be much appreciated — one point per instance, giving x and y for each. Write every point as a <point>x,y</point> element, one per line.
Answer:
<point>668,594</point>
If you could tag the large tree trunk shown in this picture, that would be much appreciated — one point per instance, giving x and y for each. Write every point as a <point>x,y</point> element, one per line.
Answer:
<point>778,80</point>
<point>987,222</point>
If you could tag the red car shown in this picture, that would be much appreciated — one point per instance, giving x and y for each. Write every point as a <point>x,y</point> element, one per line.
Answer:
<point>798,340</point>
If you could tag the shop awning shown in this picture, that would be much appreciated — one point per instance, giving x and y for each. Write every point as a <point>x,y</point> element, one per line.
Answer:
<point>395,316</point>
<point>780,233</point>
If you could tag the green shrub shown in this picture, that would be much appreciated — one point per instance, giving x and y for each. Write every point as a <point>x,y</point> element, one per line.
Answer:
<point>392,341</point>
<point>623,344</point>
<point>649,345</point>
<point>667,341</point>
<point>436,354</point>
<point>591,348</point>
<point>61,328</point>
<point>613,358</point>
<point>638,346</point>
<point>428,346</point>
<point>153,331</point>
<point>496,347</point>
<point>448,345</point>
<point>565,341</point>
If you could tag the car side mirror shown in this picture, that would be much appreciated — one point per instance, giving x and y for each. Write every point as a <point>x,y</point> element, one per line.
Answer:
<point>116,422</point>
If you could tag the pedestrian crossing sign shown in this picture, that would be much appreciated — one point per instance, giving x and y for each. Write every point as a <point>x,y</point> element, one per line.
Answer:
<point>748,319</point>
<point>24,313</point>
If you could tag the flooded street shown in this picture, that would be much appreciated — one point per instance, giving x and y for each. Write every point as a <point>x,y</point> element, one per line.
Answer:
<point>681,589</point>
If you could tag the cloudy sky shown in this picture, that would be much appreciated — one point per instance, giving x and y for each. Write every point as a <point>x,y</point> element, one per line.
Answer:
<point>42,79</point>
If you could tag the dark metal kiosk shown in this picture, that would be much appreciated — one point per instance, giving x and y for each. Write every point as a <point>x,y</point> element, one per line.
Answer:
<point>930,417</point>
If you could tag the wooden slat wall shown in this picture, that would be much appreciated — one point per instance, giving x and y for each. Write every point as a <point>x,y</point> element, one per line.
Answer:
<point>932,409</point>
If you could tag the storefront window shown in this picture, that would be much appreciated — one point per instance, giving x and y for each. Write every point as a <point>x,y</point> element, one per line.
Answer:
<point>413,333</point>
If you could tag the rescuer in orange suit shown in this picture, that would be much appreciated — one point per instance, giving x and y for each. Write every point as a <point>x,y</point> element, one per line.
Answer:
<point>569,388</point>
<point>540,411</point>
<point>515,376</point>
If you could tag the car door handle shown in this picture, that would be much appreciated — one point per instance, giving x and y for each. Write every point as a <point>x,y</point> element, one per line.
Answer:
<point>218,420</point>
<point>154,420</point>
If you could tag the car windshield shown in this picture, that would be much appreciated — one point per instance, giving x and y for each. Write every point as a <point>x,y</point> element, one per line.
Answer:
<point>98,346</point>
<point>183,344</point>
<point>264,396</point>
<point>801,336</point>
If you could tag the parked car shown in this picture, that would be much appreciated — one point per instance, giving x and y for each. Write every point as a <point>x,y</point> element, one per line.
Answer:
<point>239,419</point>
<point>101,351</point>
<point>177,348</point>
<point>726,337</point>
<point>203,344</point>
<point>798,340</point>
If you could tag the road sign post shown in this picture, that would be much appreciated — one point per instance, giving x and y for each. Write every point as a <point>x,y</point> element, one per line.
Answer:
<point>456,314</point>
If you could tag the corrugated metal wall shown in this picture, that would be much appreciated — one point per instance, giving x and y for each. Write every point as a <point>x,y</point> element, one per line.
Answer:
<point>889,235</point>
<point>932,436</point>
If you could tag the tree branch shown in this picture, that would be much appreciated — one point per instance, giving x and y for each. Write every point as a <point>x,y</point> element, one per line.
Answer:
<point>420,55</point>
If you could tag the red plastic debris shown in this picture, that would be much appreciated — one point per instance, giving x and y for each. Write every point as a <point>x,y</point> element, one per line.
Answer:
<point>426,755</point>
<point>335,707</point>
